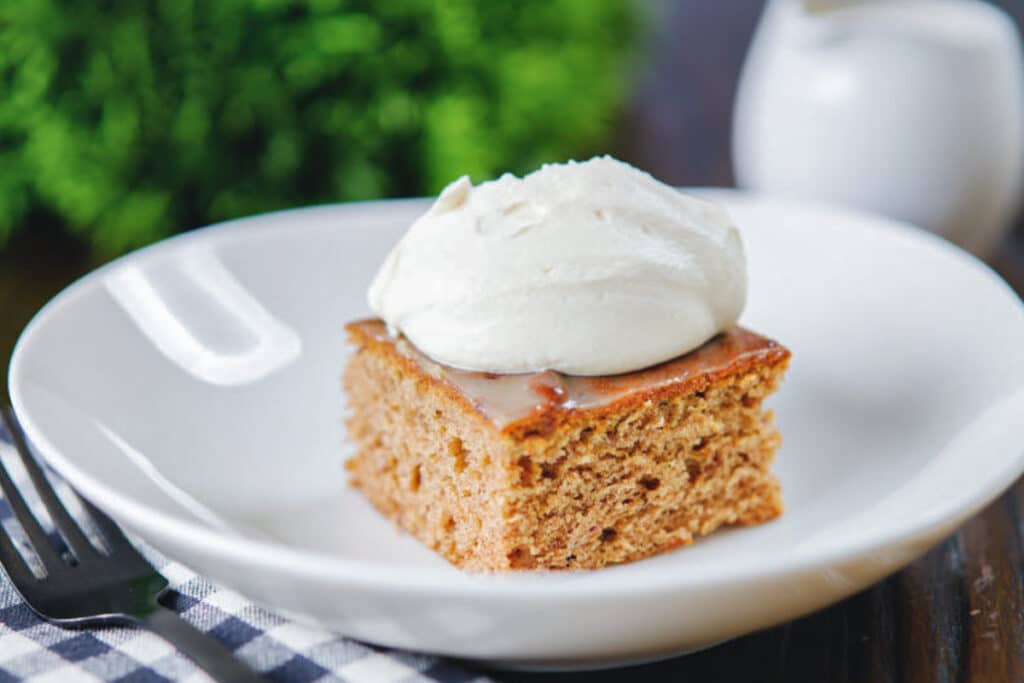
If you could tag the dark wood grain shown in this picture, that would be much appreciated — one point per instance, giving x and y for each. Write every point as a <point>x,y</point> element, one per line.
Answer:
<point>678,125</point>
<point>37,264</point>
<point>993,635</point>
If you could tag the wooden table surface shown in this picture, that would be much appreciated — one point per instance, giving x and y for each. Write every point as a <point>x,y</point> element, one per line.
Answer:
<point>957,614</point>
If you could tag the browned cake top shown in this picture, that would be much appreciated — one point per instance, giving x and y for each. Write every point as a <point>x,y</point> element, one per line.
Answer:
<point>507,400</point>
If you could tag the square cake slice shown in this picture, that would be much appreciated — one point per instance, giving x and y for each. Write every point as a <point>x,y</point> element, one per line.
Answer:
<point>548,471</point>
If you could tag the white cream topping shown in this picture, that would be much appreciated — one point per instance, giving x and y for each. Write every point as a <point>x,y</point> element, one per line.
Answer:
<point>589,268</point>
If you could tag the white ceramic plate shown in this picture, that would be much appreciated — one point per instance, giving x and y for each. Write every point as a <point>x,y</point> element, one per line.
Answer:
<point>192,391</point>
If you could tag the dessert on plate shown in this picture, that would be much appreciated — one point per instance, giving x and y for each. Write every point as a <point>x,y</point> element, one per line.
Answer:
<point>556,378</point>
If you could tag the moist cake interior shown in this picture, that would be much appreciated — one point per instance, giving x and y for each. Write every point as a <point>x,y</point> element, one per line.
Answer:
<point>542,470</point>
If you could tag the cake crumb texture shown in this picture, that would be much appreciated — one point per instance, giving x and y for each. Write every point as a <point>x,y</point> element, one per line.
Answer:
<point>599,487</point>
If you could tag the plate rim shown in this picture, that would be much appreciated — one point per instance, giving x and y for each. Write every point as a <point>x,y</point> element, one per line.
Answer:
<point>369,575</point>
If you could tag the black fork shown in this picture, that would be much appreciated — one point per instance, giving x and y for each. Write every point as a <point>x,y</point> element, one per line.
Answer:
<point>88,586</point>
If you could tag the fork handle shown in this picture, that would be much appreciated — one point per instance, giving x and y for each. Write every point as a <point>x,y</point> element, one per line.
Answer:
<point>207,653</point>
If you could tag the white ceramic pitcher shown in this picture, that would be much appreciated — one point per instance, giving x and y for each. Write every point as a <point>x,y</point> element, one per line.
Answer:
<point>911,108</point>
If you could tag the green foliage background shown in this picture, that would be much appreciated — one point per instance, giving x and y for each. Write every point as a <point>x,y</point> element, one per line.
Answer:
<point>128,120</point>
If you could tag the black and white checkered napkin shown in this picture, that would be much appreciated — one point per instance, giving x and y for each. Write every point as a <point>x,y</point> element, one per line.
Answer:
<point>34,650</point>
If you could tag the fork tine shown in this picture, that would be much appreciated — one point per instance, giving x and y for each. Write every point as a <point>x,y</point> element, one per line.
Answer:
<point>115,539</point>
<point>65,523</point>
<point>36,535</point>
<point>13,563</point>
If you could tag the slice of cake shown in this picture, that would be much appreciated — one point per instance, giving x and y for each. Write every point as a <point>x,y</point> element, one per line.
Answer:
<point>545,470</point>
<point>557,379</point>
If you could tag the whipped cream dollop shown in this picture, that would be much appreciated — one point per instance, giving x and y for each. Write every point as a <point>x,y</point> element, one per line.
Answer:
<point>587,268</point>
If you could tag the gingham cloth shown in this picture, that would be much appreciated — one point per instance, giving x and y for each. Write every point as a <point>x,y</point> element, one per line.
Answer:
<point>34,650</point>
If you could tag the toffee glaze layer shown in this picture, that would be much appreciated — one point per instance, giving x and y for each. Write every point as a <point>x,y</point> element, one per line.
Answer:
<point>505,399</point>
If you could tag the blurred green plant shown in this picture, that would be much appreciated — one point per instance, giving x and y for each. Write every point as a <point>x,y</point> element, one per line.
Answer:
<point>131,120</point>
